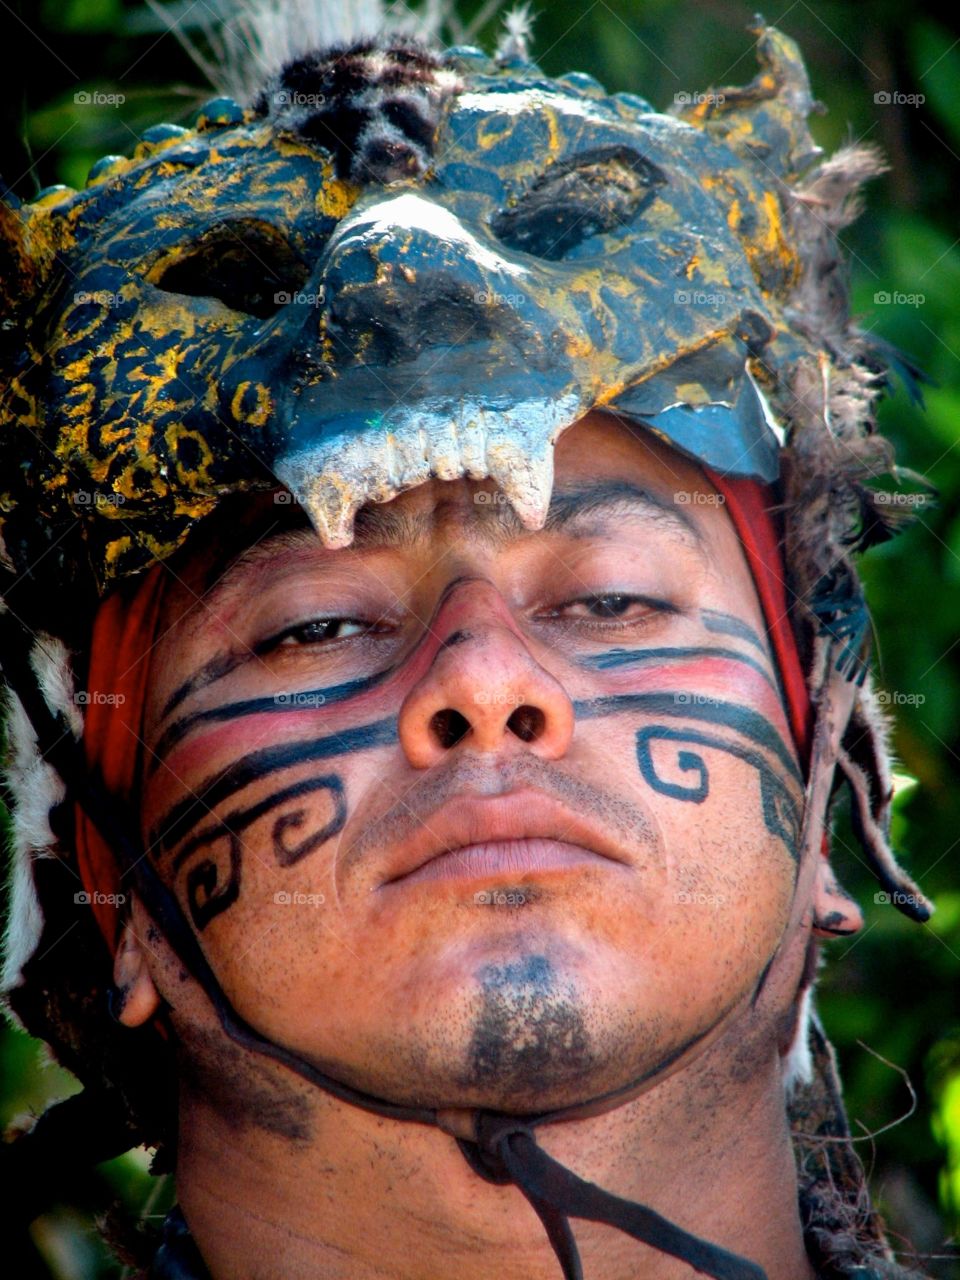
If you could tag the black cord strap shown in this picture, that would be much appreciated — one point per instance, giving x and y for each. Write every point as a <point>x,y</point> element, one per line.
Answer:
<point>507,1151</point>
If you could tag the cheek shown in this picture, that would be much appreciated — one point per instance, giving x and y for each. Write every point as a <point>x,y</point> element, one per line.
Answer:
<point>730,881</point>
<point>252,864</point>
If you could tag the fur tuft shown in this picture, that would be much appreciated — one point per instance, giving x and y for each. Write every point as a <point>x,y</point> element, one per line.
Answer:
<point>374,105</point>
<point>36,788</point>
<point>820,207</point>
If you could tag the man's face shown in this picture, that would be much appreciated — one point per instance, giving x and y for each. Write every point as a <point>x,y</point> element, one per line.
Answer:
<point>470,815</point>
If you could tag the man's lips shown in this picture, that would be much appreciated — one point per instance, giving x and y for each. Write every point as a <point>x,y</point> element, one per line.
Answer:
<point>499,857</point>
<point>474,836</point>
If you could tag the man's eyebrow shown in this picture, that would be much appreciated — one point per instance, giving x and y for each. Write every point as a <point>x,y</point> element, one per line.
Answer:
<point>618,497</point>
<point>385,526</point>
<point>497,521</point>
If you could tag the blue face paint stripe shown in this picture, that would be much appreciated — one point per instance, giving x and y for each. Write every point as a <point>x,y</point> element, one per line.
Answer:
<point>637,657</point>
<point>728,624</point>
<point>278,702</point>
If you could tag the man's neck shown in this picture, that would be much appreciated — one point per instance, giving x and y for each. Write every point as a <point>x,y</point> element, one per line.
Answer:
<point>367,1198</point>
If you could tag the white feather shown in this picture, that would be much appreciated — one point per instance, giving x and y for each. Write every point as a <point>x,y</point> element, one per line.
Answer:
<point>250,40</point>
<point>798,1061</point>
<point>36,787</point>
<point>517,30</point>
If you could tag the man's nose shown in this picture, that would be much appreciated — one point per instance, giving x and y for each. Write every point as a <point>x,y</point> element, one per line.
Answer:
<point>484,690</point>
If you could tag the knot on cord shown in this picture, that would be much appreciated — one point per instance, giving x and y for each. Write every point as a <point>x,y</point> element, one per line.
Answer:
<point>486,1154</point>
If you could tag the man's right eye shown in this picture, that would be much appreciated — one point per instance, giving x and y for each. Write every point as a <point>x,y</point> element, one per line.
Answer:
<point>316,631</point>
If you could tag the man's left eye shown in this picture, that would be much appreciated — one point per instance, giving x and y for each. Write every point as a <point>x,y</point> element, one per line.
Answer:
<point>615,605</point>
<point>608,606</point>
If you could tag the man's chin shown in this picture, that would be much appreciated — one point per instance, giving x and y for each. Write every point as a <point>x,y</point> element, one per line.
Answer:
<point>523,1031</point>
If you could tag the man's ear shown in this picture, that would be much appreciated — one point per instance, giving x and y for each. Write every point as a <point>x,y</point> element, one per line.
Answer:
<point>136,998</point>
<point>835,914</point>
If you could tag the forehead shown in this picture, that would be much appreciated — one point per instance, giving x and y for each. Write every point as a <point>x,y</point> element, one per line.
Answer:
<point>613,482</point>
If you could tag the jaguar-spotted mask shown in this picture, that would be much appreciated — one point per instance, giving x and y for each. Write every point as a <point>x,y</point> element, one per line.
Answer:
<point>393,267</point>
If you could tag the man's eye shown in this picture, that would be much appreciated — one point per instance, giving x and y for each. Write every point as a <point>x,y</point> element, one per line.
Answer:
<point>615,605</point>
<point>316,631</point>
<point>608,606</point>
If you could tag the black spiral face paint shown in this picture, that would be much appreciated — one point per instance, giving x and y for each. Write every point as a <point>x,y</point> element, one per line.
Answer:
<point>781,810</point>
<point>209,891</point>
<point>213,884</point>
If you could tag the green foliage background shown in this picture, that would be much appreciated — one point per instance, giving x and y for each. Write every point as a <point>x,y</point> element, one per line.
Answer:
<point>888,997</point>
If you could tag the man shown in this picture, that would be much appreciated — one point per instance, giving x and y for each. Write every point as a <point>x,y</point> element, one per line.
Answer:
<point>436,489</point>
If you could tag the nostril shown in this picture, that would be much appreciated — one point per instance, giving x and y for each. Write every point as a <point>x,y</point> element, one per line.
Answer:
<point>527,723</point>
<point>449,727</point>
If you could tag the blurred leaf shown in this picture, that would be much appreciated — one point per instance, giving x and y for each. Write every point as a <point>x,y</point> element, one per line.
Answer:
<point>83,15</point>
<point>935,57</point>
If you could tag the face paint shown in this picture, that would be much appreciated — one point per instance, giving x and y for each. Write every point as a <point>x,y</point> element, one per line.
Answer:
<point>781,810</point>
<point>246,770</point>
<point>208,892</point>
<point>681,678</point>
<point>659,657</point>
<point>282,703</point>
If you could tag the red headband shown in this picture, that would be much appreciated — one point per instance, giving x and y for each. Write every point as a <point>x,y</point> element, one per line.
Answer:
<point>125,632</point>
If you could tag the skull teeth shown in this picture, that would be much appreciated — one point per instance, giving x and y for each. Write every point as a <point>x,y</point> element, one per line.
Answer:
<point>336,477</point>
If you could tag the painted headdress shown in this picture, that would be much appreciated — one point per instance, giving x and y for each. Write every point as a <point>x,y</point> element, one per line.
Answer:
<point>401,261</point>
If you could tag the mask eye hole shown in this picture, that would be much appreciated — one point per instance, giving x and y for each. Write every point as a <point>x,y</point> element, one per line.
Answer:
<point>248,266</point>
<point>575,199</point>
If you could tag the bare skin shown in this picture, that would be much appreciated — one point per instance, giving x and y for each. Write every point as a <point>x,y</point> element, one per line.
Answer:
<point>585,722</point>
